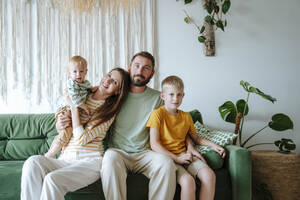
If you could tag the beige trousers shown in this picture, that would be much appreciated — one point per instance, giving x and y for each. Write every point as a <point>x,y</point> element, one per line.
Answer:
<point>160,169</point>
<point>192,168</point>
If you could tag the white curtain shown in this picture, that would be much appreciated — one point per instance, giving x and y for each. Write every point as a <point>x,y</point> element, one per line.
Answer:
<point>37,39</point>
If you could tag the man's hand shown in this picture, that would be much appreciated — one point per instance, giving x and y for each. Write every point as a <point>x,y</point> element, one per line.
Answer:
<point>186,158</point>
<point>220,150</point>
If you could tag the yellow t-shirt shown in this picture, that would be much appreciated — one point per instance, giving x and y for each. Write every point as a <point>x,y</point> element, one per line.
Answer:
<point>172,129</point>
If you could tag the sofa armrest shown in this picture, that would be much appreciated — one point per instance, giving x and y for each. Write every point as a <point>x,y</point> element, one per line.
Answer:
<point>239,164</point>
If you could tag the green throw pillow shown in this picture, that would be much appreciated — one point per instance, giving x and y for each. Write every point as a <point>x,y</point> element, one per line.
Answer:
<point>221,138</point>
<point>213,160</point>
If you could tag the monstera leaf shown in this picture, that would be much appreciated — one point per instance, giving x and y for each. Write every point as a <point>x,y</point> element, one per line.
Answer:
<point>252,89</point>
<point>285,145</point>
<point>281,122</point>
<point>229,111</point>
<point>240,105</point>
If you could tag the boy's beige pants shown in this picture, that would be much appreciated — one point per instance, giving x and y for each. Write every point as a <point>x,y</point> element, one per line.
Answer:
<point>159,168</point>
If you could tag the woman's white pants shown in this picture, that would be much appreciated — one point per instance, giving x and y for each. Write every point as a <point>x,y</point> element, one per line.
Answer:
<point>48,179</point>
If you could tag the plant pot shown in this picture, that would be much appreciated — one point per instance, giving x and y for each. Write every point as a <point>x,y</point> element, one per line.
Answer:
<point>280,172</point>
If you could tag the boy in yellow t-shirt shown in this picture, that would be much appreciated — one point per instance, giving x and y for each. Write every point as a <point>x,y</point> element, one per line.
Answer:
<point>170,132</point>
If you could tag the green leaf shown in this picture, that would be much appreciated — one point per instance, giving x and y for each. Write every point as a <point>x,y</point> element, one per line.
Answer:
<point>277,143</point>
<point>201,38</point>
<point>290,147</point>
<point>265,96</point>
<point>285,140</point>
<point>252,89</point>
<point>208,19</point>
<point>226,6</point>
<point>202,29</point>
<point>187,20</point>
<point>210,7</point>
<point>281,122</point>
<point>285,145</point>
<point>245,85</point>
<point>228,112</point>
<point>220,25</point>
<point>187,1</point>
<point>240,105</point>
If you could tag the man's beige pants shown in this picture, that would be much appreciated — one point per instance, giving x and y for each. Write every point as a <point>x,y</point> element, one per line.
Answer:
<point>160,169</point>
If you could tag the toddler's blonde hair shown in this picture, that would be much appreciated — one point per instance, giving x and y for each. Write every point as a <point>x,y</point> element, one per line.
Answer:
<point>78,60</point>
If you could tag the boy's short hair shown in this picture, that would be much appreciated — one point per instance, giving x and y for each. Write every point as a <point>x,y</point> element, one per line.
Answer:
<point>174,81</point>
<point>78,60</point>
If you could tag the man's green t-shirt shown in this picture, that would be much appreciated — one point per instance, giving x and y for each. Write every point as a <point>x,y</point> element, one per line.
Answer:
<point>129,131</point>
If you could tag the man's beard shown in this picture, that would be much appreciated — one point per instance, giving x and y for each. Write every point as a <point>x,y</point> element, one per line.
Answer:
<point>139,83</point>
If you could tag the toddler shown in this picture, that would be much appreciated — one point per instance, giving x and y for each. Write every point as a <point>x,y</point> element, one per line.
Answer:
<point>78,88</point>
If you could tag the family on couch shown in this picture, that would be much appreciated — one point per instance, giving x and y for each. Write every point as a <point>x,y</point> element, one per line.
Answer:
<point>121,105</point>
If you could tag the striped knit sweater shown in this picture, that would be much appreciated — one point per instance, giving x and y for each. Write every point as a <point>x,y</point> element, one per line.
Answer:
<point>91,139</point>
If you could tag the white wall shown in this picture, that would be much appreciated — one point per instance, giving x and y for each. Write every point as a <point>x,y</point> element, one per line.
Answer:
<point>261,45</point>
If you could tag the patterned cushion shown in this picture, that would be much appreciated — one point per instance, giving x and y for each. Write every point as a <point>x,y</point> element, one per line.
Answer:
<point>221,138</point>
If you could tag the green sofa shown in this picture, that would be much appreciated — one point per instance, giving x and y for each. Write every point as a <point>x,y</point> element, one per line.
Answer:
<point>23,135</point>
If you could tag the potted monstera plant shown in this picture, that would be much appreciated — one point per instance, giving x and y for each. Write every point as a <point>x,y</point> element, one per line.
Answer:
<point>236,113</point>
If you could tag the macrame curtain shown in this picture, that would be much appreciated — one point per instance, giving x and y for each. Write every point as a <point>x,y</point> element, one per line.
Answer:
<point>37,38</point>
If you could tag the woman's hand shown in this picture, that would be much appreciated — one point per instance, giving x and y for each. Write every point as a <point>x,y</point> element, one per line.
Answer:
<point>63,121</point>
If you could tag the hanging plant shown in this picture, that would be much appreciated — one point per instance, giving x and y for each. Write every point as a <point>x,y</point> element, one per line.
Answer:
<point>215,12</point>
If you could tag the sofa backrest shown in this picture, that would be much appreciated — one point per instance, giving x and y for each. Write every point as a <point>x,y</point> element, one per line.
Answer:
<point>23,135</point>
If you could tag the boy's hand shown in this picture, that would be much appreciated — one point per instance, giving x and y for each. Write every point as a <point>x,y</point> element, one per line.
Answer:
<point>94,89</point>
<point>220,150</point>
<point>186,158</point>
<point>196,153</point>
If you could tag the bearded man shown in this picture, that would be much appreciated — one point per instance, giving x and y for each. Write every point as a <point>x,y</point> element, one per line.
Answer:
<point>129,148</point>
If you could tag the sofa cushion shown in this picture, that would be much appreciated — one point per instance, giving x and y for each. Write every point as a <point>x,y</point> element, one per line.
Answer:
<point>10,179</point>
<point>23,135</point>
<point>221,138</point>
